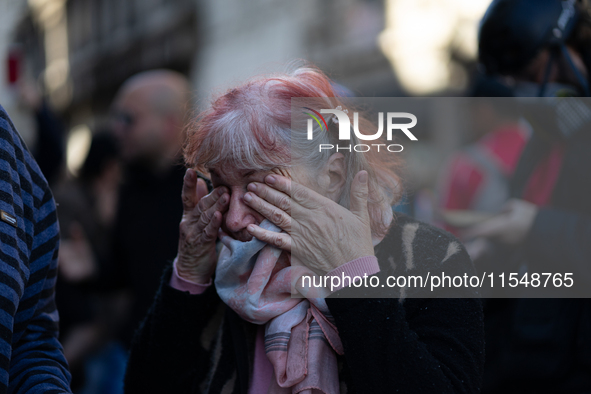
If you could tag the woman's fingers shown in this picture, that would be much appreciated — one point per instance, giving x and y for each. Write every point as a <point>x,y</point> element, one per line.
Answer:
<point>189,193</point>
<point>198,230</point>
<point>359,195</point>
<point>279,240</point>
<point>273,196</point>
<point>210,232</point>
<point>207,202</point>
<point>215,204</point>
<point>299,194</point>
<point>195,191</point>
<point>274,214</point>
<point>279,182</point>
<point>201,189</point>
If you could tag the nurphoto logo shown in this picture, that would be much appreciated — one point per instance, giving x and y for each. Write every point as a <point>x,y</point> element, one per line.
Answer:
<point>341,118</point>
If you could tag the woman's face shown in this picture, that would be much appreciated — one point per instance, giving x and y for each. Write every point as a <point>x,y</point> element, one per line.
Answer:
<point>239,215</point>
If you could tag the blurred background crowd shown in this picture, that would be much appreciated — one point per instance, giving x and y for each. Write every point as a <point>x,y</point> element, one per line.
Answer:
<point>96,89</point>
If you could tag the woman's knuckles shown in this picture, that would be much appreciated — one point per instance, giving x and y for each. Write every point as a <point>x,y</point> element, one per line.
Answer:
<point>187,203</point>
<point>277,218</point>
<point>279,241</point>
<point>301,195</point>
<point>284,204</point>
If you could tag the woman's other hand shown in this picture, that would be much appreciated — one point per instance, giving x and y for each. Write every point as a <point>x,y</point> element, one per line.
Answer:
<point>198,230</point>
<point>319,233</point>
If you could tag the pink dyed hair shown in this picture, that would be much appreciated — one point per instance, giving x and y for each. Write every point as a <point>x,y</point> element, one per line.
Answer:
<point>249,128</point>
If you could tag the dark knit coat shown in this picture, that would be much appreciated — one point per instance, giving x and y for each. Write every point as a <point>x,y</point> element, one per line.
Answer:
<point>195,343</point>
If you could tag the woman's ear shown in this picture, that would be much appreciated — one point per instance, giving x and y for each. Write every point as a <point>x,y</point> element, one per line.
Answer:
<point>335,176</point>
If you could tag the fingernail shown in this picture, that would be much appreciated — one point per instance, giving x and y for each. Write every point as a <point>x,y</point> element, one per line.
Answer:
<point>250,228</point>
<point>223,200</point>
<point>252,187</point>
<point>270,179</point>
<point>363,177</point>
<point>247,197</point>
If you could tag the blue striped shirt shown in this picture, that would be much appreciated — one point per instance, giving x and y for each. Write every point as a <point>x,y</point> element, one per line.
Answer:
<point>31,357</point>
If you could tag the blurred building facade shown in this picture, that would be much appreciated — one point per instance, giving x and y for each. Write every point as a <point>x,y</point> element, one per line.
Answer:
<point>244,38</point>
<point>82,50</point>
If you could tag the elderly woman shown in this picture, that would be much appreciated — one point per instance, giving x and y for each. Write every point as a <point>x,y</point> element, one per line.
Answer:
<point>280,214</point>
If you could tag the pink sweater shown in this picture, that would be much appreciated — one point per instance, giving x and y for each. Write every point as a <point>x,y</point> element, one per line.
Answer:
<point>262,369</point>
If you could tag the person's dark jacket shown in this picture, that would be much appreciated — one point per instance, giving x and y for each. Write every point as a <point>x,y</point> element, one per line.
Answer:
<point>145,237</point>
<point>194,343</point>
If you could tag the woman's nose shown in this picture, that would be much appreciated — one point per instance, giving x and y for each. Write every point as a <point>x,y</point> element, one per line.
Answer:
<point>239,214</point>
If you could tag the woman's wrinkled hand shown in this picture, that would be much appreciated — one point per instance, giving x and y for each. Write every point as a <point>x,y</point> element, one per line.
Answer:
<point>319,233</point>
<point>198,230</point>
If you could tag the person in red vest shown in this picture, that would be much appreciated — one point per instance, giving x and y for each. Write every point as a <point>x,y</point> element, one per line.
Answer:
<point>476,178</point>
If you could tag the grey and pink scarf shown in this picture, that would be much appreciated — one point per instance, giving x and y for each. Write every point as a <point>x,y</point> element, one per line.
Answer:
<point>256,280</point>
